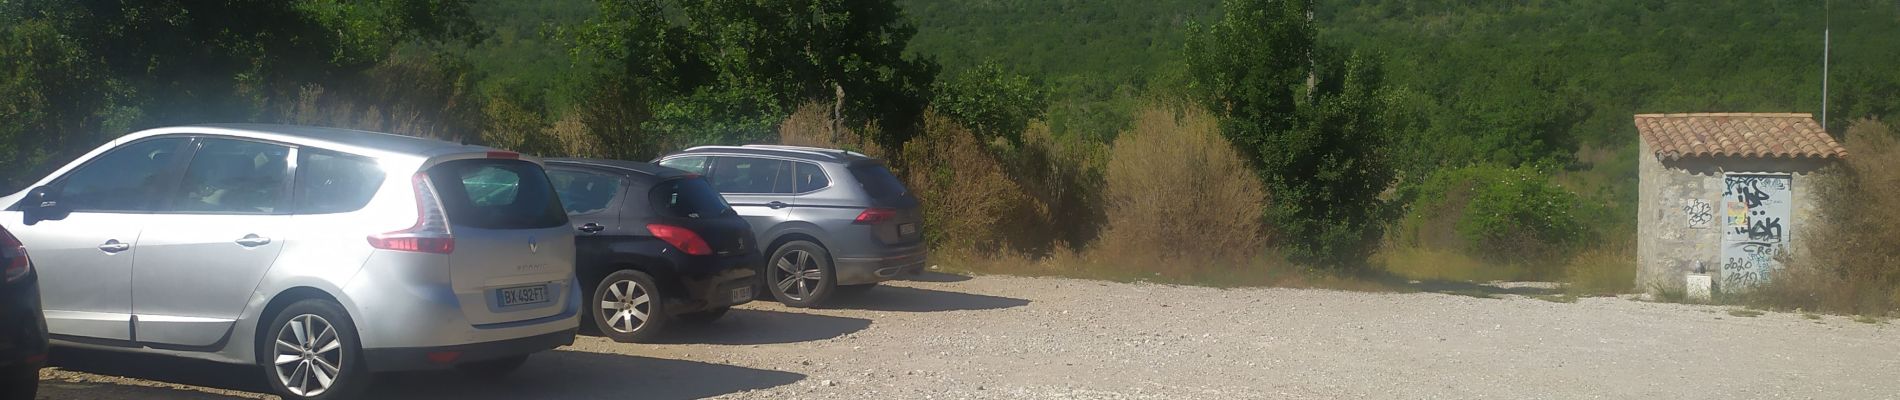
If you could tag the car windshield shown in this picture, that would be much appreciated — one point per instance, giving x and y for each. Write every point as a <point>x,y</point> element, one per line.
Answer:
<point>878,181</point>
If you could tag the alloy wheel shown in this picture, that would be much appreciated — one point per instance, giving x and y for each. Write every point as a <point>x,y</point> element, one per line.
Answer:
<point>309,355</point>
<point>796,274</point>
<point>626,307</point>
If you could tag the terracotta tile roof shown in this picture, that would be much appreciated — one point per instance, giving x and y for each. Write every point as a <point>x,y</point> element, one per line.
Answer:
<point>1749,135</point>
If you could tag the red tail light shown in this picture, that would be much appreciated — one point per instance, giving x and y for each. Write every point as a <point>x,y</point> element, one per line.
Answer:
<point>508,155</point>
<point>430,234</point>
<point>681,238</point>
<point>13,254</point>
<point>875,215</point>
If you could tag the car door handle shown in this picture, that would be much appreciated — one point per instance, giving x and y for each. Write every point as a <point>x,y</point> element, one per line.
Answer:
<point>113,246</point>
<point>777,205</point>
<point>590,227</point>
<point>253,240</point>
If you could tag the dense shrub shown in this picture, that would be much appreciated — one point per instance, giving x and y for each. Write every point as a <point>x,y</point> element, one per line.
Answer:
<point>1178,192</point>
<point>1851,262</point>
<point>964,191</point>
<point>818,125</point>
<point>1494,213</point>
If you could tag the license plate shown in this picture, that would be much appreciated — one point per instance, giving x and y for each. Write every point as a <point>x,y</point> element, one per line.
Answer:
<point>741,295</point>
<point>521,295</point>
<point>907,229</point>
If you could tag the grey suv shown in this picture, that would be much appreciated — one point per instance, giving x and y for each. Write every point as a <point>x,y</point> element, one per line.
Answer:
<point>320,255</point>
<point>831,220</point>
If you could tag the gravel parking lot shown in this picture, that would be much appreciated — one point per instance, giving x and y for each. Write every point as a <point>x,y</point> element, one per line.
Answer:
<point>996,337</point>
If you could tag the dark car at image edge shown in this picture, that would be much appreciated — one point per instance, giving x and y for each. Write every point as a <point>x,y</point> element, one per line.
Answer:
<point>22,326</point>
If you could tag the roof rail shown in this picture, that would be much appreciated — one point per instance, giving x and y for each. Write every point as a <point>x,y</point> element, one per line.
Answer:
<point>804,148</point>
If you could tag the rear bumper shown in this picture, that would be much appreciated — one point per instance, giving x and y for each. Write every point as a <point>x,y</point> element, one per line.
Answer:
<point>22,326</point>
<point>422,358</point>
<point>717,290</point>
<point>867,270</point>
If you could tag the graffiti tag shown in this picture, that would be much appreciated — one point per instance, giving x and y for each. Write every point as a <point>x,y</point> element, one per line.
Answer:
<point>1698,212</point>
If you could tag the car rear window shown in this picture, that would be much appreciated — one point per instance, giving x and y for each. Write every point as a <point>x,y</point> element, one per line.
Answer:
<point>329,182</point>
<point>497,194</point>
<point>878,181</point>
<point>688,198</point>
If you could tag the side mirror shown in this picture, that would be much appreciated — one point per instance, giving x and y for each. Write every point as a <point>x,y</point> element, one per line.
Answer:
<point>42,204</point>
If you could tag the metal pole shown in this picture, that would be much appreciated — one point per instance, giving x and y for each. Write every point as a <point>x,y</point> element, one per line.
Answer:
<point>1826,47</point>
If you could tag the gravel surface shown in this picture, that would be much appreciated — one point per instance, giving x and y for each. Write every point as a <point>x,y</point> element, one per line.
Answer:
<point>995,337</point>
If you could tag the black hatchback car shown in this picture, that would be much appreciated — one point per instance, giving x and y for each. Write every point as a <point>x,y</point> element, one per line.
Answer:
<point>22,326</point>
<point>654,244</point>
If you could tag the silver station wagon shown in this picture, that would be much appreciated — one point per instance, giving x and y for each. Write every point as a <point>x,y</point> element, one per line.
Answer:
<point>319,254</point>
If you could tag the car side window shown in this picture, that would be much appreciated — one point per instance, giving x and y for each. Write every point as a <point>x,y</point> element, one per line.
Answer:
<point>122,180</point>
<point>584,192</point>
<point>695,165</point>
<point>234,176</point>
<point>331,182</point>
<point>808,177</point>
<point>752,175</point>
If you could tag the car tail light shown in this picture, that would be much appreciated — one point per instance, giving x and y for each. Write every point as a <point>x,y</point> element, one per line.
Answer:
<point>681,238</point>
<point>430,234</point>
<point>875,215</point>
<point>13,253</point>
<point>506,155</point>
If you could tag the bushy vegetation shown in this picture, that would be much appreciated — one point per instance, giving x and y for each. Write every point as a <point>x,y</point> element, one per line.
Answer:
<point>1504,215</point>
<point>1179,195</point>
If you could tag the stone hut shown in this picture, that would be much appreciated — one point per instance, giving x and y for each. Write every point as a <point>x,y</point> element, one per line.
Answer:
<point>1721,198</point>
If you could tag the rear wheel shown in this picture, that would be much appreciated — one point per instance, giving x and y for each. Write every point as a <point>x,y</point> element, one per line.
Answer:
<point>799,274</point>
<point>314,353</point>
<point>628,308</point>
<point>705,317</point>
<point>493,369</point>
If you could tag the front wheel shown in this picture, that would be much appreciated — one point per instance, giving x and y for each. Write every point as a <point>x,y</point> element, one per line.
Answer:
<point>799,274</point>
<point>314,353</point>
<point>628,308</point>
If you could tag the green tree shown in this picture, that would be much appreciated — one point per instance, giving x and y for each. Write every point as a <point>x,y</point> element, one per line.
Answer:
<point>991,102</point>
<point>1310,120</point>
<point>729,70</point>
<point>78,72</point>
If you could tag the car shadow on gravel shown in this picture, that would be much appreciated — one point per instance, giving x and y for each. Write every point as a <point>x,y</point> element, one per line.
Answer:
<point>563,374</point>
<point>747,327</point>
<point>550,374</point>
<point>152,368</point>
<point>62,390</point>
<point>909,299</point>
<point>938,277</point>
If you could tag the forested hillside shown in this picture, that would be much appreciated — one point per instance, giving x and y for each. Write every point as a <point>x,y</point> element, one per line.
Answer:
<point>1369,125</point>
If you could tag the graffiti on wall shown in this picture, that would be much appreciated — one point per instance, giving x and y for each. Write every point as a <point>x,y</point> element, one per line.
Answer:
<point>1698,213</point>
<point>1756,212</point>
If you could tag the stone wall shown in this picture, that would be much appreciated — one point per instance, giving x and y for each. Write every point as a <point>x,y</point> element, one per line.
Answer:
<point>1671,244</point>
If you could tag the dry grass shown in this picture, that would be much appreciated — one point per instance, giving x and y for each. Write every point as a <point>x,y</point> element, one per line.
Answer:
<point>1608,268</point>
<point>1177,191</point>
<point>1852,263</point>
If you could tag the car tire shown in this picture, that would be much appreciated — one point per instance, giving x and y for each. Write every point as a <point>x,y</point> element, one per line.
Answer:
<point>19,382</point>
<point>800,274</point>
<point>492,369</point>
<point>635,292</point>
<point>855,290</point>
<point>706,316</point>
<point>292,355</point>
